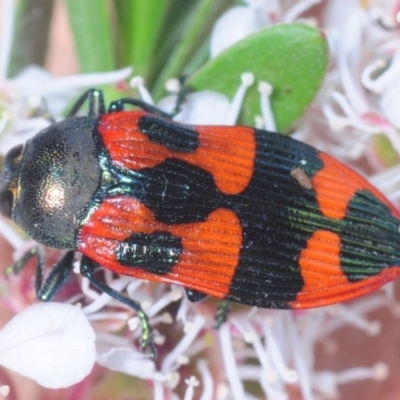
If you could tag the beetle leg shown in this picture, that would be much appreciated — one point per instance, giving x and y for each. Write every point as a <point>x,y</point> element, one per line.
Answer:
<point>181,95</point>
<point>88,270</point>
<point>46,290</point>
<point>118,105</point>
<point>96,103</point>
<point>222,313</point>
<point>194,295</point>
<point>23,261</point>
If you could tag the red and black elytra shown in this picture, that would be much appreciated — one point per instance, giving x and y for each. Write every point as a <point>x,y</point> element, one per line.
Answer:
<point>233,212</point>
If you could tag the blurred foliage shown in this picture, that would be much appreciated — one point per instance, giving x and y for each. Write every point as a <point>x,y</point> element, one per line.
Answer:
<point>163,39</point>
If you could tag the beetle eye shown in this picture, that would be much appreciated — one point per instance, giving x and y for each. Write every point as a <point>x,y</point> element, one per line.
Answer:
<point>15,152</point>
<point>6,203</point>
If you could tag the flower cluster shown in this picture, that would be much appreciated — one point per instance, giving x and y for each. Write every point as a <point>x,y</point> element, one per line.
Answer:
<point>256,353</point>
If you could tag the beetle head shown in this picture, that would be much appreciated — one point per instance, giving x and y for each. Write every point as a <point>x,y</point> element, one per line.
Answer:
<point>48,181</point>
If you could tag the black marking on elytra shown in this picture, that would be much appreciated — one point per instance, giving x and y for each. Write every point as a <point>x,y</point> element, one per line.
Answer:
<point>157,252</point>
<point>194,295</point>
<point>271,210</point>
<point>173,136</point>
<point>370,237</point>
<point>178,192</point>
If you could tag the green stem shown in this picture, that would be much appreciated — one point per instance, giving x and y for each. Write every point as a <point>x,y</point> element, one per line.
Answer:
<point>31,34</point>
<point>91,27</point>
<point>139,24</point>
<point>184,49</point>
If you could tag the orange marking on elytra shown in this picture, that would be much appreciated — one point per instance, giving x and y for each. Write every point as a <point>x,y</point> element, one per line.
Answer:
<point>320,262</point>
<point>324,281</point>
<point>335,184</point>
<point>228,153</point>
<point>210,248</point>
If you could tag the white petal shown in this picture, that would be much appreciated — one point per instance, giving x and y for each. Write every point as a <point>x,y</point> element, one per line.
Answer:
<point>127,361</point>
<point>36,82</point>
<point>51,343</point>
<point>234,25</point>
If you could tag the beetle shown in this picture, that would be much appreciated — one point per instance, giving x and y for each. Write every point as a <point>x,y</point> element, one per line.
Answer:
<point>234,212</point>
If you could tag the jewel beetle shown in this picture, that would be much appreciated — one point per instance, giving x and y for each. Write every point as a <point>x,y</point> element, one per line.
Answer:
<point>233,212</point>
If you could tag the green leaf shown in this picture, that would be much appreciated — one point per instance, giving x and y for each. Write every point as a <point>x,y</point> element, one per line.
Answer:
<point>291,57</point>
<point>91,27</point>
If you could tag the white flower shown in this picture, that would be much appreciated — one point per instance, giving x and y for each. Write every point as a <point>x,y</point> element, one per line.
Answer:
<point>208,107</point>
<point>241,21</point>
<point>236,24</point>
<point>51,343</point>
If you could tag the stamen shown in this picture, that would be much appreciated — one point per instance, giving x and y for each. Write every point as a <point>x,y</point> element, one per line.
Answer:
<point>383,17</point>
<point>349,86</point>
<point>258,122</point>
<point>133,323</point>
<point>247,335</point>
<point>357,320</point>
<point>389,290</point>
<point>10,235</point>
<point>173,85</point>
<point>344,104</point>
<point>162,302</point>
<point>138,82</point>
<point>222,391</point>
<point>360,124</point>
<point>300,348</point>
<point>172,358</point>
<point>183,310</point>
<point>375,85</point>
<point>192,382</point>
<point>336,122</point>
<point>231,368</point>
<point>158,339</point>
<point>158,392</point>
<point>108,315</point>
<point>325,383</point>
<point>132,287</point>
<point>247,79</point>
<point>173,378</point>
<point>4,390</point>
<point>288,375</point>
<point>269,379</point>
<point>265,90</point>
<point>378,372</point>
<point>101,300</point>
<point>206,379</point>
<point>250,372</point>
<point>78,81</point>
<point>165,318</point>
<point>368,304</point>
